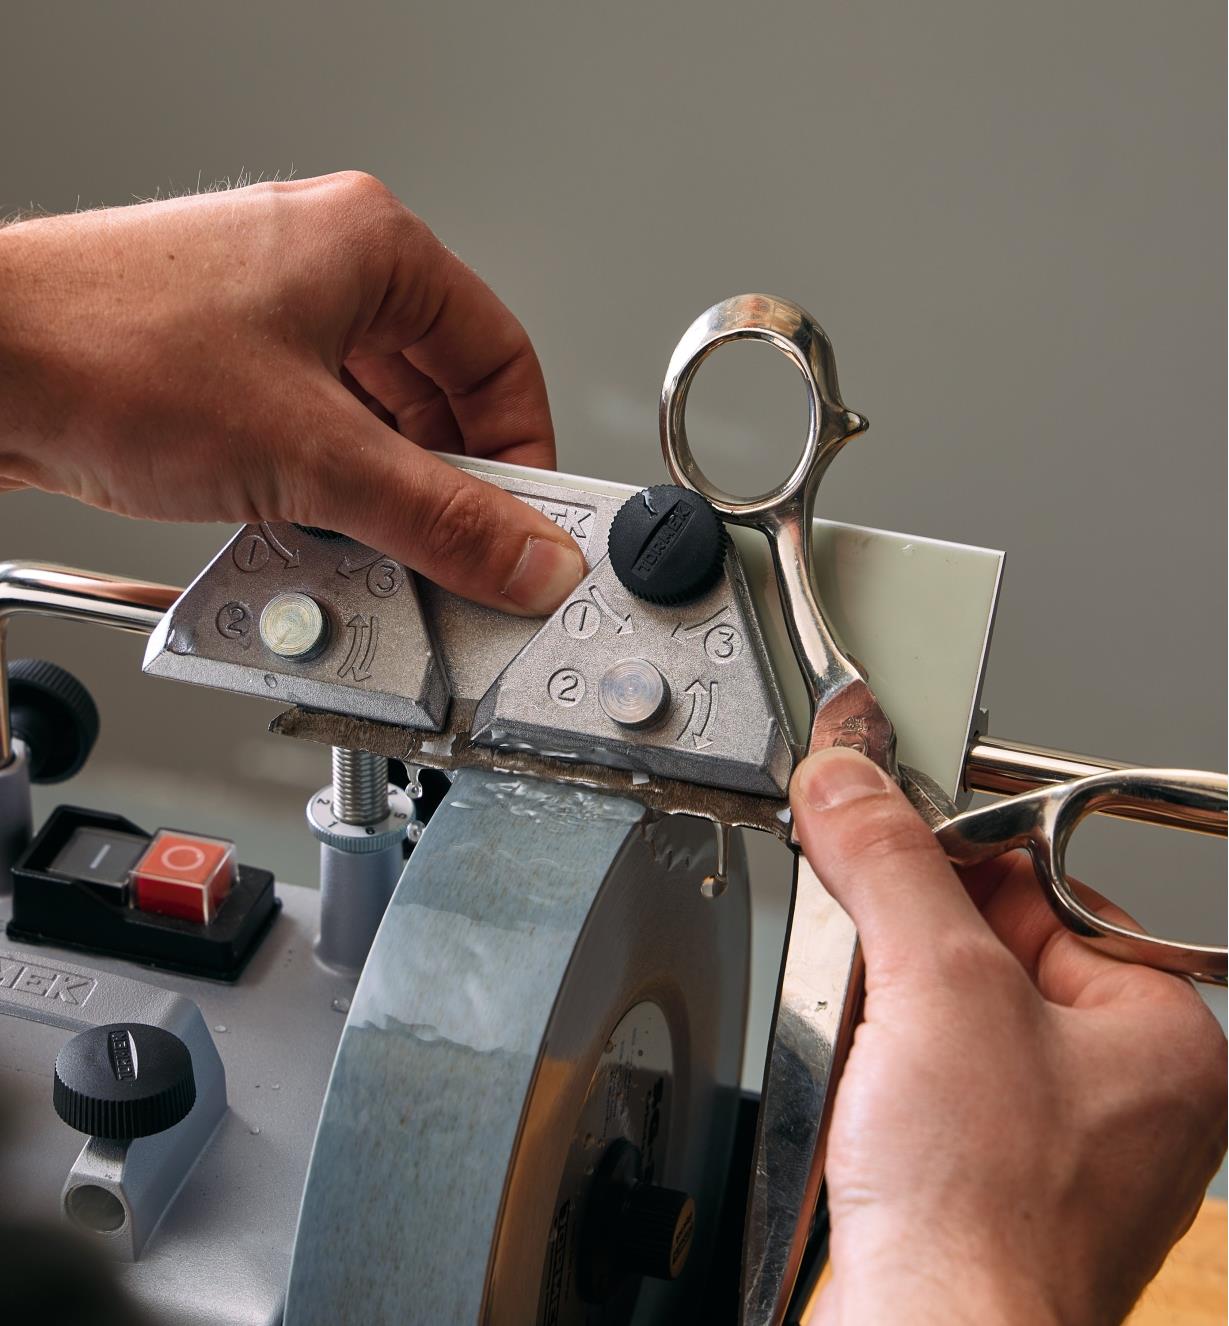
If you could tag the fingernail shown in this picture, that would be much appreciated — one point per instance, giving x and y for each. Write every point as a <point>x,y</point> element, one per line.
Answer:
<point>832,777</point>
<point>546,574</point>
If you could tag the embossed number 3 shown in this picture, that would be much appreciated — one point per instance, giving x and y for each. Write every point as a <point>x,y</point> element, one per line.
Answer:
<point>723,644</point>
<point>385,578</point>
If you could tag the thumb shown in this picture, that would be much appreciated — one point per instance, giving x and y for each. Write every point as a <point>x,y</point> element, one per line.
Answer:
<point>877,858</point>
<point>468,536</point>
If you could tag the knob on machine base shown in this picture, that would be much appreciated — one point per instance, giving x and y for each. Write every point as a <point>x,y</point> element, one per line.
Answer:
<point>123,1080</point>
<point>533,1104</point>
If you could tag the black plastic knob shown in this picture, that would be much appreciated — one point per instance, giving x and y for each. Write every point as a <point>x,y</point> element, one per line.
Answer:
<point>631,1229</point>
<point>55,717</point>
<point>667,545</point>
<point>655,1231</point>
<point>123,1080</point>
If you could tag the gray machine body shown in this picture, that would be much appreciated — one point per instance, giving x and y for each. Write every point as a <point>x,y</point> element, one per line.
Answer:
<point>220,1256</point>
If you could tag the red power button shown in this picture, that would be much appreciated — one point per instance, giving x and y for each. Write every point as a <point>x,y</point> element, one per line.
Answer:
<point>184,875</point>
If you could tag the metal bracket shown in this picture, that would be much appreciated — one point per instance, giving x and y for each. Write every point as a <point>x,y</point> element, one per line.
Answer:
<point>724,722</point>
<point>144,1175</point>
<point>375,659</point>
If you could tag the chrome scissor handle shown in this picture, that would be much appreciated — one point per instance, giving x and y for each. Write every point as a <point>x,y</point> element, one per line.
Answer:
<point>1043,822</point>
<point>811,1031</point>
<point>843,710</point>
<point>792,330</point>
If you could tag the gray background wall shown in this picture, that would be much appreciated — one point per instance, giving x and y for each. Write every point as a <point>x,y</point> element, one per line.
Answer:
<point>1009,217</point>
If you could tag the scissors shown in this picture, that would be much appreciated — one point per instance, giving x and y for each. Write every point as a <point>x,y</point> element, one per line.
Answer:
<point>822,975</point>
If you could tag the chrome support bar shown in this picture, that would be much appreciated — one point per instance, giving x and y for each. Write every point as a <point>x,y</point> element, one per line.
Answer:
<point>995,766</point>
<point>1005,768</point>
<point>61,591</point>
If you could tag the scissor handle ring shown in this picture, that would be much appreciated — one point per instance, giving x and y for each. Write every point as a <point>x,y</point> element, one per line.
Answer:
<point>792,330</point>
<point>1044,820</point>
<point>1123,789</point>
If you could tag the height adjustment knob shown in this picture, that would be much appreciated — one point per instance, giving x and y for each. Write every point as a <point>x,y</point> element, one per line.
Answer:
<point>631,1229</point>
<point>655,1231</point>
<point>55,717</point>
<point>123,1080</point>
<point>667,545</point>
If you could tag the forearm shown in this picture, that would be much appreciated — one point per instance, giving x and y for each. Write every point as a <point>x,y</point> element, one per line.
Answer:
<point>31,409</point>
<point>193,359</point>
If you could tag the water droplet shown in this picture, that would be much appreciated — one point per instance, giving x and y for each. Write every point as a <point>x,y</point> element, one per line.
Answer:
<point>255,1130</point>
<point>277,1086</point>
<point>341,1005</point>
<point>220,1026</point>
<point>270,680</point>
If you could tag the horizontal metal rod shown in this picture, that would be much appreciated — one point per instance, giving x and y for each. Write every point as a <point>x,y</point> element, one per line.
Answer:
<point>999,767</point>
<point>61,591</point>
<point>1007,767</point>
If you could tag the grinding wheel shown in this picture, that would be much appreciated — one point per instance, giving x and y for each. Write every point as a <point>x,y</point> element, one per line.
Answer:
<point>539,1068</point>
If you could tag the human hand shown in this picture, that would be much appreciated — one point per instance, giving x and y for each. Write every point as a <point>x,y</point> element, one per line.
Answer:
<point>1025,1125</point>
<point>253,355</point>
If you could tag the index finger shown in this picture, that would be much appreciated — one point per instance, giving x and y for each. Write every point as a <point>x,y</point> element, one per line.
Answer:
<point>1065,968</point>
<point>451,326</point>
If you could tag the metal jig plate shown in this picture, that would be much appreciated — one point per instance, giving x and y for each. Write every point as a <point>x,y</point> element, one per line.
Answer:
<point>723,724</point>
<point>374,656</point>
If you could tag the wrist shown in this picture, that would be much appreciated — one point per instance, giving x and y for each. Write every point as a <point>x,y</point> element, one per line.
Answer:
<point>918,1282</point>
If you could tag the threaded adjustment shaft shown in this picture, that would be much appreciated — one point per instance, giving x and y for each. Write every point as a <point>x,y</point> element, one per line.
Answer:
<point>360,786</point>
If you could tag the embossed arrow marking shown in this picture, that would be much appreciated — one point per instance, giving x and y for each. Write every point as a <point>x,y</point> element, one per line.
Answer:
<point>698,628</point>
<point>347,568</point>
<point>291,559</point>
<point>622,623</point>
<point>703,713</point>
<point>364,637</point>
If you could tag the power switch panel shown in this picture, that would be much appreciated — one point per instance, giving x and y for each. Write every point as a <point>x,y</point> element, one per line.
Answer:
<point>184,875</point>
<point>173,900</point>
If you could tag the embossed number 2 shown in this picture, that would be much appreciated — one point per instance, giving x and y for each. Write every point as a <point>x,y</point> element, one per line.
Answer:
<point>234,622</point>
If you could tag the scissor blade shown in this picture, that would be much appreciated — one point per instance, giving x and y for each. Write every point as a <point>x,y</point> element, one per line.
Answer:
<point>821,989</point>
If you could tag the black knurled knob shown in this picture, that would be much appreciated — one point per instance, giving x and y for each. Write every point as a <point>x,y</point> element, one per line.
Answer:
<point>655,1231</point>
<point>123,1080</point>
<point>55,717</point>
<point>667,545</point>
